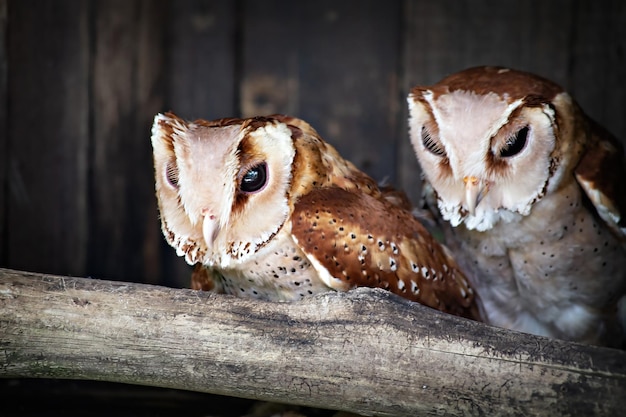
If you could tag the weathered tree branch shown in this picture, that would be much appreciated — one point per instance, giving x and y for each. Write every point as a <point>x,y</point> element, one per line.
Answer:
<point>366,351</point>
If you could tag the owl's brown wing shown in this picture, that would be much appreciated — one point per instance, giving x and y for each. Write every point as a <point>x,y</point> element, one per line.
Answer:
<point>602,175</point>
<point>354,239</point>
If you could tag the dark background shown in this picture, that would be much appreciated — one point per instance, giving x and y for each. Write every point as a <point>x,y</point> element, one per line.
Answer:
<point>80,82</point>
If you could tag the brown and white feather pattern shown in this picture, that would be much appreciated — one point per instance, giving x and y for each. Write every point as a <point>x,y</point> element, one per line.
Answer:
<point>535,195</point>
<point>266,209</point>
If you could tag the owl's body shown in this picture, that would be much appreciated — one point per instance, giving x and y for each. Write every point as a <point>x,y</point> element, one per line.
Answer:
<point>534,192</point>
<point>550,273</point>
<point>266,209</point>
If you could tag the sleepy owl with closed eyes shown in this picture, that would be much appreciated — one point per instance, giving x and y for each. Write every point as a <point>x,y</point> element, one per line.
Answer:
<point>533,193</point>
<point>266,209</point>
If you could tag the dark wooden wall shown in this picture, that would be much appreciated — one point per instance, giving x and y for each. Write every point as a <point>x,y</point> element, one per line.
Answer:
<point>80,82</point>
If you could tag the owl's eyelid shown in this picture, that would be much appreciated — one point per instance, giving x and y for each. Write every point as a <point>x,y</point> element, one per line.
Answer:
<point>514,144</point>
<point>432,145</point>
<point>171,174</point>
<point>245,168</point>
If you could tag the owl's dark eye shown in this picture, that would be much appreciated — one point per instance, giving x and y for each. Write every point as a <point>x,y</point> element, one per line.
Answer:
<point>254,179</point>
<point>430,144</point>
<point>515,144</point>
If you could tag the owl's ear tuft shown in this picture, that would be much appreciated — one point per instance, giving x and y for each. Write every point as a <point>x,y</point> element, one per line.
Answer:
<point>165,129</point>
<point>296,132</point>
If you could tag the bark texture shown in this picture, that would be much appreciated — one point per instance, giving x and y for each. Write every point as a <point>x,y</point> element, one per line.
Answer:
<point>365,351</point>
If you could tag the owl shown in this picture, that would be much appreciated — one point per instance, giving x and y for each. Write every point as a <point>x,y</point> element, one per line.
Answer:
<point>533,195</point>
<point>266,209</point>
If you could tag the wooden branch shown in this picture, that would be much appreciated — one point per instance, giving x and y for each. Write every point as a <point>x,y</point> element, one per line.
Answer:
<point>365,351</point>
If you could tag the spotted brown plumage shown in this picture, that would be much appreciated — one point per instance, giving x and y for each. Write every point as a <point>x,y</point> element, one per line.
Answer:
<point>354,239</point>
<point>264,208</point>
<point>534,194</point>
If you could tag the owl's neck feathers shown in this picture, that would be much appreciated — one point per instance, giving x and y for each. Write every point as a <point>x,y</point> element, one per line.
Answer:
<point>318,164</point>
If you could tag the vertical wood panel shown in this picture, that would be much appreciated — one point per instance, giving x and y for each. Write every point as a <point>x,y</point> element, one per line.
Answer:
<point>47,149</point>
<point>126,74</point>
<point>349,79</point>
<point>114,61</point>
<point>334,65</point>
<point>202,59</point>
<point>598,70</point>
<point>271,51</point>
<point>151,94</point>
<point>3,130</point>
<point>201,79</point>
<point>446,36</point>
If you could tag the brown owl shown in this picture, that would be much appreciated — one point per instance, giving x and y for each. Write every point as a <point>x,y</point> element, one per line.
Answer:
<point>271,211</point>
<point>535,194</point>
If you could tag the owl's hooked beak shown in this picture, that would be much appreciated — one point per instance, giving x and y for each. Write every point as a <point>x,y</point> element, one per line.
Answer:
<point>475,190</point>
<point>210,227</point>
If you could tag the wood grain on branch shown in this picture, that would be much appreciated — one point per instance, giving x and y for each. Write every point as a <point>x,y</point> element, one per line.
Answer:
<point>365,351</point>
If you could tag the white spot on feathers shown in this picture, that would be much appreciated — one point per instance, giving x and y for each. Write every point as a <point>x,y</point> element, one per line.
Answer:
<point>394,248</point>
<point>414,288</point>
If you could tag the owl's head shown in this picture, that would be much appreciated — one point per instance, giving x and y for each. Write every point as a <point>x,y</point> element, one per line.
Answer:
<point>491,142</point>
<point>222,185</point>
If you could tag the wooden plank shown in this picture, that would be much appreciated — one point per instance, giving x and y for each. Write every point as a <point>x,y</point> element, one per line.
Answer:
<point>127,65</point>
<point>201,79</point>
<point>150,98</point>
<point>4,159</point>
<point>598,62</point>
<point>447,36</point>
<point>349,79</point>
<point>202,66</point>
<point>332,64</point>
<point>47,137</point>
<point>114,60</point>
<point>270,62</point>
<point>365,351</point>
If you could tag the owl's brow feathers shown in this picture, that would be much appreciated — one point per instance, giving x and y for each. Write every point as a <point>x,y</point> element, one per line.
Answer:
<point>514,85</point>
